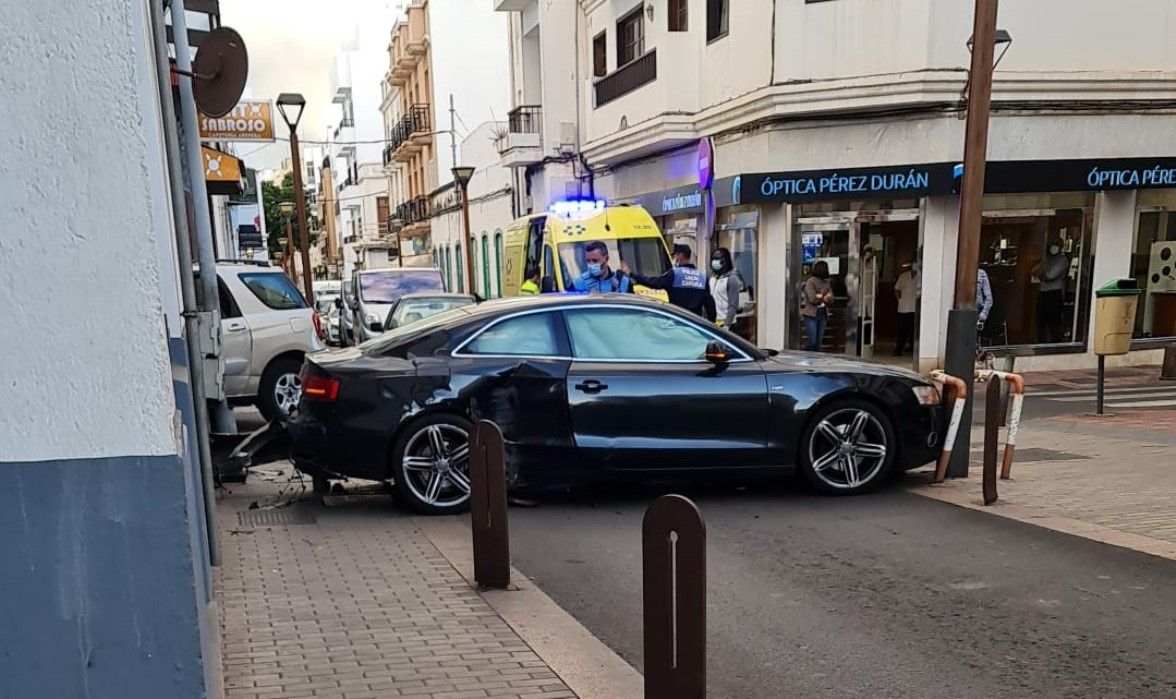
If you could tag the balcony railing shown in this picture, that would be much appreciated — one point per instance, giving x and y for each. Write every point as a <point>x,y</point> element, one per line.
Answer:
<point>525,119</point>
<point>627,78</point>
<point>411,124</point>
<point>413,210</point>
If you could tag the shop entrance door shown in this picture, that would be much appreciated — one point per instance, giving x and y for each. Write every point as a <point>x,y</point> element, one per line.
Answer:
<point>865,251</point>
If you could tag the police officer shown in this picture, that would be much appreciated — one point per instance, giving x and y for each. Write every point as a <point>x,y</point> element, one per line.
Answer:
<point>685,284</point>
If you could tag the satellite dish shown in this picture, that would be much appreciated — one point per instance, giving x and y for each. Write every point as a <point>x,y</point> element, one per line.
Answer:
<point>219,72</point>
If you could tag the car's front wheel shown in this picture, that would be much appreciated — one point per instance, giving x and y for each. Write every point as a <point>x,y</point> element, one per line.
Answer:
<point>848,447</point>
<point>431,465</point>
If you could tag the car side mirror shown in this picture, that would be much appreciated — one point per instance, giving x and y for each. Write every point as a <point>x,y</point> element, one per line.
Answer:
<point>338,302</point>
<point>716,353</point>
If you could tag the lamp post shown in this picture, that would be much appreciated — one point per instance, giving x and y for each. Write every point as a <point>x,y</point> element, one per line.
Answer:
<point>462,175</point>
<point>962,319</point>
<point>286,208</point>
<point>291,105</point>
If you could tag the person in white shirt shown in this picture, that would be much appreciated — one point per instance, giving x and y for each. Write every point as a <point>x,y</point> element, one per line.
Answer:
<point>906,290</point>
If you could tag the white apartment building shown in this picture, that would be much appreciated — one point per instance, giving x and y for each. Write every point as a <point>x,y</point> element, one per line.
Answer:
<point>355,147</point>
<point>793,131</point>
<point>490,193</point>
<point>447,71</point>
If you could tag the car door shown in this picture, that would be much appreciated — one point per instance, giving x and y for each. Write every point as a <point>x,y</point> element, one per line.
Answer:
<point>279,319</point>
<point>513,372</point>
<point>236,342</point>
<point>640,395</point>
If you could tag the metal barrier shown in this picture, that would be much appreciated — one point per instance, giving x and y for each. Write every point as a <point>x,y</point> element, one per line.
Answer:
<point>991,439</point>
<point>959,398</point>
<point>1017,385</point>
<point>673,560</point>
<point>488,506</point>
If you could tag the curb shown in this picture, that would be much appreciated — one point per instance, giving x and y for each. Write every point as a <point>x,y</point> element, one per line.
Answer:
<point>1065,525</point>
<point>585,664</point>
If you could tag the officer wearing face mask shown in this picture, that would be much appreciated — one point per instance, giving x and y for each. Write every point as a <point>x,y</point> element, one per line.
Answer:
<point>684,284</point>
<point>598,277</point>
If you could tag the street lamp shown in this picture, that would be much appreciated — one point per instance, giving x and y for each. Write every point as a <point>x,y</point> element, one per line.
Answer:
<point>962,333</point>
<point>461,176</point>
<point>291,105</point>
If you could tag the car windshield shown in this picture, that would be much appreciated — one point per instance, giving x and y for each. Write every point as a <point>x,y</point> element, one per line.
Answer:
<point>386,286</point>
<point>412,310</point>
<point>396,336</point>
<point>646,256</point>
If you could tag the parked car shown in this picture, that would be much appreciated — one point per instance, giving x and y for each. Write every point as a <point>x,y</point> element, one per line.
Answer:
<point>266,330</point>
<point>592,387</point>
<point>375,291</point>
<point>414,307</point>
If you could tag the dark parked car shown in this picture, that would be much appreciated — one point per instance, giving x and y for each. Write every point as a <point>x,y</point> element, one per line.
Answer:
<point>588,387</point>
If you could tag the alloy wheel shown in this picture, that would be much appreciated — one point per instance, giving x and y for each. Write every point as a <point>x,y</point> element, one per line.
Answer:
<point>848,448</point>
<point>437,465</point>
<point>287,393</point>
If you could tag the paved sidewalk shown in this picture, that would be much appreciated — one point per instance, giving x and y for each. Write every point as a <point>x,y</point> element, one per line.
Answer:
<point>354,601</point>
<point>1108,479</point>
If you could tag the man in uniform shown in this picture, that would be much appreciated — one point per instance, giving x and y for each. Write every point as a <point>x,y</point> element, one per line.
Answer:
<point>683,283</point>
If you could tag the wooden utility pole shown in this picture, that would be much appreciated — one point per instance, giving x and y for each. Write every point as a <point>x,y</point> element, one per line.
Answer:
<point>300,201</point>
<point>975,153</point>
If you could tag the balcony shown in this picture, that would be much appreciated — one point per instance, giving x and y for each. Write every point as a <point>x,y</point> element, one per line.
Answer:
<point>511,5</point>
<point>414,210</point>
<point>521,145</point>
<point>410,133</point>
<point>627,78</point>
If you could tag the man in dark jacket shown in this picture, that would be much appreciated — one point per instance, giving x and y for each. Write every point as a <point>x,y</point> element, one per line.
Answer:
<point>684,283</point>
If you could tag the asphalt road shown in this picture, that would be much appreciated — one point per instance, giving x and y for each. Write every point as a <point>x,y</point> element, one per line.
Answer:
<point>886,595</point>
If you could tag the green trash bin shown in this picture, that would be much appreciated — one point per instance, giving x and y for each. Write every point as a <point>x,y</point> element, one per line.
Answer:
<point>1114,316</point>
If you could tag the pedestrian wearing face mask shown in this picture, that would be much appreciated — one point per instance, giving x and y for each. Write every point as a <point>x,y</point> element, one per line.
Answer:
<point>1051,294</point>
<point>725,285</point>
<point>684,284</point>
<point>816,295</point>
<point>598,277</point>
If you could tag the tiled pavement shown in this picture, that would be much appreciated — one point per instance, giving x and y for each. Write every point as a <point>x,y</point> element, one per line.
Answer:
<point>1121,488</point>
<point>353,601</point>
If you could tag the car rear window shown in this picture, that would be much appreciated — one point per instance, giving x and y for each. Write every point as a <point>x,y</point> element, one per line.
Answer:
<point>274,289</point>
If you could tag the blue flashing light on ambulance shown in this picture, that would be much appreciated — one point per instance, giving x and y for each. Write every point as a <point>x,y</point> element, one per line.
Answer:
<point>554,242</point>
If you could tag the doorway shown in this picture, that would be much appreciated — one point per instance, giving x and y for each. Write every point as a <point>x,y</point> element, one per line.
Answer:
<point>865,252</point>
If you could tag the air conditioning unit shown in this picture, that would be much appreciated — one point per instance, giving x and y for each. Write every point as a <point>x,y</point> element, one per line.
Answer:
<point>567,137</point>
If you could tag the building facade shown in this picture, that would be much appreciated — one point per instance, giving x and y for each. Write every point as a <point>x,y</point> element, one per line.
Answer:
<point>108,589</point>
<point>490,193</point>
<point>791,132</point>
<point>447,67</point>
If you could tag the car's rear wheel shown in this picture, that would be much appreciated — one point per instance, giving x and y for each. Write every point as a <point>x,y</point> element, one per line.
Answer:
<point>431,465</point>
<point>280,389</point>
<point>848,447</point>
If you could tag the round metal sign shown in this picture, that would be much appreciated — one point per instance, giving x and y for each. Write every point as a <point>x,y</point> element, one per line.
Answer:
<point>219,72</point>
<point>706,164</point>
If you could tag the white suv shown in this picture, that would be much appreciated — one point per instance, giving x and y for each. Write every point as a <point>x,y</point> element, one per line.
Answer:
<point>266,328</point>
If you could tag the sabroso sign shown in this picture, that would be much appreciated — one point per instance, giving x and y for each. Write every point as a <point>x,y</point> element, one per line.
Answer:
<point>250,120</point>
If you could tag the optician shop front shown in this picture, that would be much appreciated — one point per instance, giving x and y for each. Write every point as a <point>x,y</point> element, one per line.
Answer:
<point>1042,223</point>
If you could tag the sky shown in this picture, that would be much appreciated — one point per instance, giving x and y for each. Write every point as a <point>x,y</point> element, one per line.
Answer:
<point>291,44</point>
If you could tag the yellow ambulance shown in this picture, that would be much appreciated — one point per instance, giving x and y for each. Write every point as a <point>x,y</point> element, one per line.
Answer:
<point>554,242</point>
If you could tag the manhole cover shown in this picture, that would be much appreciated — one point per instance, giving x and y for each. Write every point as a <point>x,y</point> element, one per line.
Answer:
<point>1030,454</point>
<point>275,518</point>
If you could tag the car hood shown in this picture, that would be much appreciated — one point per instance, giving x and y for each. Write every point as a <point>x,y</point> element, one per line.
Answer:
<point>792,360</point>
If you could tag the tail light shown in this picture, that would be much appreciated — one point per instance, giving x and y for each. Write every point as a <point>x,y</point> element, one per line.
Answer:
<point>324,388</point>
<point>318,326</point>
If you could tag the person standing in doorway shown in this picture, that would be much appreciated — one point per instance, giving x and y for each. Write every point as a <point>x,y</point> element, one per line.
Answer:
<point>1051,294</point>
<point>816,295</point>
<point>906,291</point>
<point>725,286</point>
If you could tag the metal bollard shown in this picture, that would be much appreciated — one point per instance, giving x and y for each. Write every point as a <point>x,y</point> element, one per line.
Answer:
<point>673,553</point>
<point>488,506</point>
<point>1016,384</point>
<point>960,397</point>
<point>992,410</point>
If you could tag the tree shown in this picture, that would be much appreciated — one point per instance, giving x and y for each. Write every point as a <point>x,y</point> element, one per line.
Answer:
<point>273,194</point>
